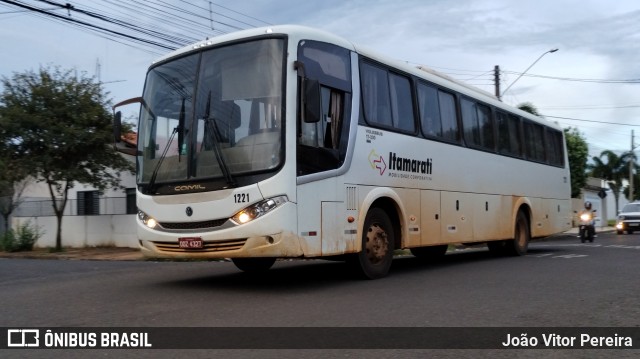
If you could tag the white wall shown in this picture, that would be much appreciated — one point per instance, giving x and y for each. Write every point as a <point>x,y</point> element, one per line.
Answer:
<point>86,231</point>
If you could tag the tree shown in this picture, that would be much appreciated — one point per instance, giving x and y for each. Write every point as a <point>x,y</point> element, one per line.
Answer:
<point>13,182</point>
<point>578,153</point>
<point>13,178</point>
<point>58,123</point>
<point>613,170</point>
<point>529,107</point>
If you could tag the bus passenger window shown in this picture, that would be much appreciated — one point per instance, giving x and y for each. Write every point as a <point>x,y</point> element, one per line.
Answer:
<point>448,116</point>
<point>509,134</point>
<point>401,103</point>
<point>478,127</point>
<point>375,95</point>
<point>429,110</point>
<point>534,141</point>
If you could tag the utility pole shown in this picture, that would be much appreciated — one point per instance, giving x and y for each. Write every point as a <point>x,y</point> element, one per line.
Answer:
<point>631,169</point>
<point>496,80</point>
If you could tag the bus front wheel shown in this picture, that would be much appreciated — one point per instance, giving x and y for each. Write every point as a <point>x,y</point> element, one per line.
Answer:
<point>378,241</point>
<point>253,265</point>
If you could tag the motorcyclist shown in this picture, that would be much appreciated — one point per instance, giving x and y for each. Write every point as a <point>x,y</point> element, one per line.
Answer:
<point>588,217</point>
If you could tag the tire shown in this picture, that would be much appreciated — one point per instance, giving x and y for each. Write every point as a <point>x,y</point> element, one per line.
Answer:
<point>374,260</point>
<point>431,253</point>
<point>254,265</point>
<point>517,246</point>
<point>522,235</point>
<point>619,232</point>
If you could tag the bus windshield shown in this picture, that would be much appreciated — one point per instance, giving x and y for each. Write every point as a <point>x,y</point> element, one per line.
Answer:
<point>213,116</point>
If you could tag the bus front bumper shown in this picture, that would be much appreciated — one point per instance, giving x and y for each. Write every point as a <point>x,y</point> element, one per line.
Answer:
<point>278,245</point>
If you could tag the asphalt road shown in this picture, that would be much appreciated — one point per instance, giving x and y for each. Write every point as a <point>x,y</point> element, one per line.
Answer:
<point>560,283</point>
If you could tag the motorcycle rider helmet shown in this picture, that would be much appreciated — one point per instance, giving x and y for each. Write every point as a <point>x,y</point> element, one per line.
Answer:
<point>587,205</point>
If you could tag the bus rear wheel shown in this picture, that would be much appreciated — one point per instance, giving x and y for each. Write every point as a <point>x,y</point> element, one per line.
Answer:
<point>378,241</point>
<point>253,265</point>
<point>519,244</point>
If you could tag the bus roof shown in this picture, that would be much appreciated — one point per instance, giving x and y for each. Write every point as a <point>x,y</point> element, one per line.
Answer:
<point>420,71</point>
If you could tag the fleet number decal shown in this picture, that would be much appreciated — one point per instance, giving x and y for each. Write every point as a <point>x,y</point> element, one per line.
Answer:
<point>241,197</point>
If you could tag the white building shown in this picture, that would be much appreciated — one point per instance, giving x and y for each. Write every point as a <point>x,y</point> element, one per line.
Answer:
<point>91,218</point>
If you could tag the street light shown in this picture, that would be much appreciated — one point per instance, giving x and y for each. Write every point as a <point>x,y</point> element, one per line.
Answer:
<point>525,71</point>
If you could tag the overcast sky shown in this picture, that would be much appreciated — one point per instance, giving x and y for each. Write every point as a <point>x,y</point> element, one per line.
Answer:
<point>597,40</point>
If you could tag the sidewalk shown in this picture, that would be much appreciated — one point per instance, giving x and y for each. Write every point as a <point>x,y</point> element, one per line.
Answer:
<point>574,230</point>
<point>88,253</point>
<point>133,254</point>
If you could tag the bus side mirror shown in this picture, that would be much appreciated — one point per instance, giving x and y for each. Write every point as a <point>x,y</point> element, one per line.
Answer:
<point>117,126</point>
<point>311,101</point>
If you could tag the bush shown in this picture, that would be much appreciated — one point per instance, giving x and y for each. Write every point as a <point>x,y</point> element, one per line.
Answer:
<point>7,241</point>
<point>22,239</point>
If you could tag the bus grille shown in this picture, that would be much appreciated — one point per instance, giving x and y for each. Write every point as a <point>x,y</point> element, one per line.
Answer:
<point>207,247</point>
<point>175,226</point>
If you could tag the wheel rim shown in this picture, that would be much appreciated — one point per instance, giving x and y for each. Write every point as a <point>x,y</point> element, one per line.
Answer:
<point>377,244</point>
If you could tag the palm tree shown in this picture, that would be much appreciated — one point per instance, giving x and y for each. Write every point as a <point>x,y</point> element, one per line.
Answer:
<point>613,170</point>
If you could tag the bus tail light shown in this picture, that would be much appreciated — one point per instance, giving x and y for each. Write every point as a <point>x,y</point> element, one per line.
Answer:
<point>258,210</point>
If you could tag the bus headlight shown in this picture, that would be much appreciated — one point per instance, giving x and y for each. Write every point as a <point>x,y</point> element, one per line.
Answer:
<point>147,220</point>
<point>258,210</point>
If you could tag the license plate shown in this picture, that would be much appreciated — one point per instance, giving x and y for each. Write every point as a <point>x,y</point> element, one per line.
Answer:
<point>190,242</point>
<point>633,224</point>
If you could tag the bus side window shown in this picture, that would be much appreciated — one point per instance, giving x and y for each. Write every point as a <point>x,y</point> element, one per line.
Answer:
<point>448,116</point>
<point>534,141</point>
<point>509,134</point>
<point>321,145</point>
<point>429,110</point>
<point>326,132</point>
<point>375,95</point>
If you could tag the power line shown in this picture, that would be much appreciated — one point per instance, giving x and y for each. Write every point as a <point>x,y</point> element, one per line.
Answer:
<point>155,24</point>
<point>591,107</point>
<point>605,122</point>
<point>71,20</point>
<point>601,81</point>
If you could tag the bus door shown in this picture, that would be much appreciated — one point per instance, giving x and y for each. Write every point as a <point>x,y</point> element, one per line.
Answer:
<point>324,84</point>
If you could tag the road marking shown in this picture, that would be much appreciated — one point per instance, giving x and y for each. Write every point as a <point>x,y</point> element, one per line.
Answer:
<point>540,255</point>
<point>569,245</point>
<point>570,256</point>
<point>622,246</point>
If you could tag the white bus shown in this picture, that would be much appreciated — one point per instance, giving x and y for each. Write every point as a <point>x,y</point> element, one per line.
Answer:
<point>291,142</point>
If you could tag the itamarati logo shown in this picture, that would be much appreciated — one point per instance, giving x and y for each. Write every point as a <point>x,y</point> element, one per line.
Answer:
<point>400,164</point>
<point>377,162</point>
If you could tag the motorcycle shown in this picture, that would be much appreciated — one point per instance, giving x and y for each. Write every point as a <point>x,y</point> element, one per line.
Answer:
<point>587,228</point>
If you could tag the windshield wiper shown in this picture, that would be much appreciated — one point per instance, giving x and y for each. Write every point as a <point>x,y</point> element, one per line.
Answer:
<point>216,144</point>
<point>176,130</point>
